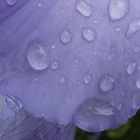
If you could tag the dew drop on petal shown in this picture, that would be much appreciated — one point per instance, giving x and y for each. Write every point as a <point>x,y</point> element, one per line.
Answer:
<point>87,79</point>
<point>94,115</point>
<point>37,56</point>
<point>54,65</point>
<point>62,80</point>
<point>117,29</point>
<point>65,36</point>
<point>131,68</point>
<point>133,27</point>
<point>119,106</point>
<point>89,34</point>
<point>11,2</point>
<point>138,83</point>
<point>13,103</point>
<point>2,71</point>
<point>84,8</point>
<point>118,9</point>
<point>106,83</point>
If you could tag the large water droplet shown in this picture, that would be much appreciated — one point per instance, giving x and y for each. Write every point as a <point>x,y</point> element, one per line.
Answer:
<point>94,115</point>
<point>13,103</point>
<point>131,68</point>
<point>65,36</point>
<point>133,27</point>
<point>87,79</point>
<point>84,8</point>
<point>11,2</point>
<point>38,56</point>
<point>118,9</point>
<point>89,34</point>
<point>106,83</point>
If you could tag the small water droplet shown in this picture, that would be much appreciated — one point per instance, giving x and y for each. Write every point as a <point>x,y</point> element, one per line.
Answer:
<point>65,36</point>
<point>39,4</point>
<point>133,27</point>
<point>54,65</point>
<point>84,8</point>
<point>131,68</point>
<point>2,71</point>
<point>89,34</point>
<point>106,83</point>
<point>119,106</point>
<point>117,29</point>
<point>37,56</point>
<point>53,46</point>
<point>11,2</point>
<point>13,103</point>
<point>87,79</point>
<point>123,93</point>
<point>138,83</point>
<point>118,9</point>
<point>62,80</point>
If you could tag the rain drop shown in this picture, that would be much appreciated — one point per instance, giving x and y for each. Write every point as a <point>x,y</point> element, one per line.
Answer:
<point>131,68</point>
<point>106,83</point>
<point>89,34</point>
<point>119,106</point>
<point>62,80</point>
<point>117,29</point>
<point>94,115</point>
<point>133,27</point>
<point>11,2</point>
<point>54,65</point>
<point>84,8</point>
<point>65,36</point>
<point>37,56</point>
<point>118,9</point>
<point>2,70</point>
<point>13,103</point>
<point>87,79</point>
<point>138,83</point>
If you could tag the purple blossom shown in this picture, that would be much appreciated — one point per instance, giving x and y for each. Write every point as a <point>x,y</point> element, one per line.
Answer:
<point>67,64</point>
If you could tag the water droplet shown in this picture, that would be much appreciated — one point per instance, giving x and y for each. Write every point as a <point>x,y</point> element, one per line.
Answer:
<point>54,65</point>
<point>131,68</point>
<point>87,79</point>
<point>138,83</point>
<point>65,36</point>
<point>37,56</point>
<point>13,103</point>
<point>133,27</point>
<point>84,8</point>
<point>95,114</point>
<point>106,83</point>
<point>89,34</point>
<point>118,9</point>
<point>119,106</point>
<point>2,71</point>
<point>62,80</point>
<point>11,2</point>
<point>136,101</point>
<point>123,93</point>
<point>117,29</point>
<point>39,4</point>
<point>53,46</point>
